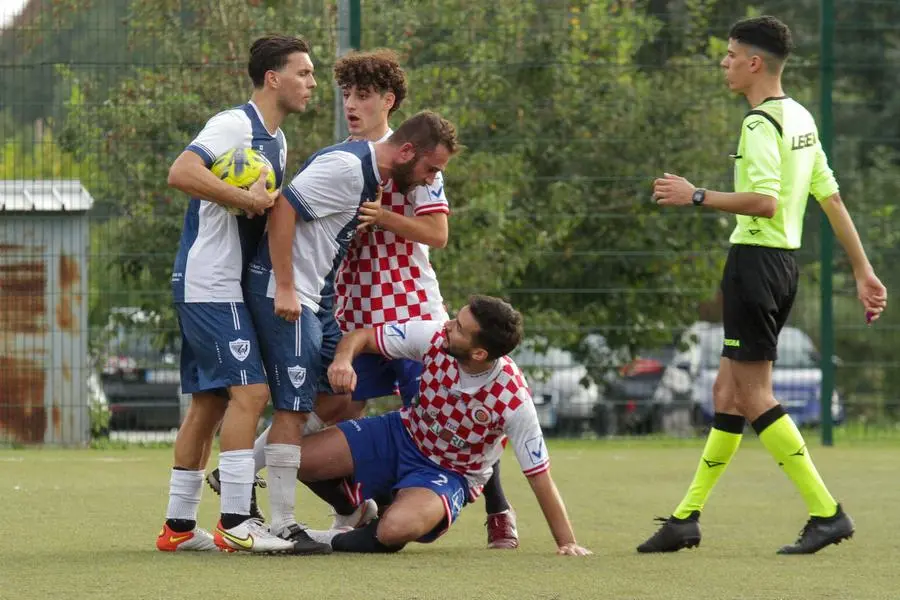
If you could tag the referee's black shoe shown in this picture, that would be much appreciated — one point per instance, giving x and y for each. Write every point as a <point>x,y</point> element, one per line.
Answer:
<point>820,532</point>
<point>674,534</point>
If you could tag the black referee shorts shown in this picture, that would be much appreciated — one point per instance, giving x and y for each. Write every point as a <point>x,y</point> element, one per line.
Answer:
<point>759,285</point>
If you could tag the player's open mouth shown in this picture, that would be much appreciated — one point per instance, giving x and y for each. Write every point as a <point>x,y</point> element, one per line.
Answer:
<point>352,119</point>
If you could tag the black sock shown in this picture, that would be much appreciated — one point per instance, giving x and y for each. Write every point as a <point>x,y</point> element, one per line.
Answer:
<point>494,499</point>
<point>332,492</point>
<point>181,525</point>
<point>230,520</point>
<point>362,540</point>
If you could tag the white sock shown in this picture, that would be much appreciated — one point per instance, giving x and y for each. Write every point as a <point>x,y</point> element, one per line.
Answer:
<point>259,450</point>
<point>236,475</point>
<point>313,424</point>
<point>184,494</point>
<point>282,462</point>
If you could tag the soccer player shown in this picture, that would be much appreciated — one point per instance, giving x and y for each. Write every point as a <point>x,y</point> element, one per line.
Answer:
<point>435,456</point>
<point>291,281</point>
<point>220,356</point>
<point>778,164</point>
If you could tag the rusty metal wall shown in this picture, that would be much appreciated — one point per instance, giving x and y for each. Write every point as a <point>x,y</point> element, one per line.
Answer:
<point>44,362</point>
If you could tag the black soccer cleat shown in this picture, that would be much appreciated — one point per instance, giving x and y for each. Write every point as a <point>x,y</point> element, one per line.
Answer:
<point>674,534</point>
<point>212,480</point>
<point>303,544</point>
<point>820,532</point>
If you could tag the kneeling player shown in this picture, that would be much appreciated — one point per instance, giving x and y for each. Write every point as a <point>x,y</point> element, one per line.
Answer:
<point>436,456</point>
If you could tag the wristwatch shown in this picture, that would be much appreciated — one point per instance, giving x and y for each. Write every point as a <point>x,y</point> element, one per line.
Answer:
<point>698,197</point>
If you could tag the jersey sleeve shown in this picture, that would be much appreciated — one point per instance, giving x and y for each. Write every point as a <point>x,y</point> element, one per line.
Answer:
<point>411,339</point>
<point>524,433</point>
<point>823,184</point>
<point>429,199</point>
<point>227,130</point>
<point>762,153</point>
<point>331,183</point>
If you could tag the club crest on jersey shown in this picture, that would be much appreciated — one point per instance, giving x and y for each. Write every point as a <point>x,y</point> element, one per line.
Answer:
<point>297,375</point>
<point>480,415</point>
<point>240,349</point>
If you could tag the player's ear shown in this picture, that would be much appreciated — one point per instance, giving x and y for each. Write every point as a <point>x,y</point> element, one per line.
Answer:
<point>271,78</point>
<point>388,101</point>
<point>407,152</point>
<point>479,354</point>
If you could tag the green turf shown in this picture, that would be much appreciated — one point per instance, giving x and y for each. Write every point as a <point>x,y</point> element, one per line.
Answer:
<point>80,524</point>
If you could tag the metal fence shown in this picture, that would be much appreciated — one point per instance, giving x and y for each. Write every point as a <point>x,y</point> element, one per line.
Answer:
<point>568,111</point>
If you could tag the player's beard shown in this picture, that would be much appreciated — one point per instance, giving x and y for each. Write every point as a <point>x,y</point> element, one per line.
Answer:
<point>457,353</point>
<point>402,175</point>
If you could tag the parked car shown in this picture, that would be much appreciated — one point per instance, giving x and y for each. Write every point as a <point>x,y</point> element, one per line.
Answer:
<point>796,376</point>
<point>141,381</point>
<point>564,397</point>
<point>629,398</point>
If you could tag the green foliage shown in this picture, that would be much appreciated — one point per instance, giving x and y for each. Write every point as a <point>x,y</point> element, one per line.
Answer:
<point>568,111</point>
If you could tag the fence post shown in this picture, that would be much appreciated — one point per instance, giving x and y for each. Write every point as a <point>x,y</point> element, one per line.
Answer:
<point>826,133</point>
<point>349,30</point>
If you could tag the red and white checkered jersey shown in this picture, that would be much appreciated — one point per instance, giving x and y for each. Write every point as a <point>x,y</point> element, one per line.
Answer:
<point>462,422</point>
<point>386,278</point>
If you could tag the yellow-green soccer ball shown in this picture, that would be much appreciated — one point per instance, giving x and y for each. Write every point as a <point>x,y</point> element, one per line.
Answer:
<point>240,167</point>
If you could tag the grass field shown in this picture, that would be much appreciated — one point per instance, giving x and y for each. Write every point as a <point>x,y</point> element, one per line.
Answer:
<point>81,524</point>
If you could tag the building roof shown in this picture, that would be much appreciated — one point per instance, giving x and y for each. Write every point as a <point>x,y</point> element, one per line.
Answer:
<point>44,195</point>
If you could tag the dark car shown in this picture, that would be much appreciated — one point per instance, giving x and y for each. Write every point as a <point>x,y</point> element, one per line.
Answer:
<point>628,405</point>
<point>140,380</point>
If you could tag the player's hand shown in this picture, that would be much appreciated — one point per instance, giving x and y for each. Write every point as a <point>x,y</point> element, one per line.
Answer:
<point>672,190</point>
<point>341,376</point>
<point>573,549</point>
<point>261,199</point>
<point>286,304</point>
<point>370,212</point>
<point>872,294</point>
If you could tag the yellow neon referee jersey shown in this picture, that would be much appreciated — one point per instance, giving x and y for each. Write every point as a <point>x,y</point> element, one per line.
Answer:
<point>779,155</point>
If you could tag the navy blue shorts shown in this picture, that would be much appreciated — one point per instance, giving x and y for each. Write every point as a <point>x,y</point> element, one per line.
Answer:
<point>296,355</point>
<point>377,376</point>
<point>385,459</point>
<point>219,347</point>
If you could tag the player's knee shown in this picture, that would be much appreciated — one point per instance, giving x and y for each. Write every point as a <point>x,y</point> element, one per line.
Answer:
<point>250,398</point>
<point>395,529</point>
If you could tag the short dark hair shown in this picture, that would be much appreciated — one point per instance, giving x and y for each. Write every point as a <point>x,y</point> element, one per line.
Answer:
<point>426,131</point>
<point>377,70</point>
<point>500,325</point>
<point>766,33</point>
<point>270,53</point>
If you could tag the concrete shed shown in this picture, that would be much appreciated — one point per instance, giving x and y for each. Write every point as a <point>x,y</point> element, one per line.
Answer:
<point>44,363</point>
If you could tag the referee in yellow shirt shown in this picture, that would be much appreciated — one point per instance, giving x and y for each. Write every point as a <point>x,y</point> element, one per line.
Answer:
<point>779,163</point>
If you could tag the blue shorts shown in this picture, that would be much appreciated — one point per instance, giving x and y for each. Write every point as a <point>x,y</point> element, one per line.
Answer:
<point>219,347</point>
<point>385,459</point>
<point>377,376</point>
<point>296,355</point>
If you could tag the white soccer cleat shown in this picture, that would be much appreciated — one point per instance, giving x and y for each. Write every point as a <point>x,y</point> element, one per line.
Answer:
<point>251,536</point>
<point>196,540</point>
<point>360,517</point>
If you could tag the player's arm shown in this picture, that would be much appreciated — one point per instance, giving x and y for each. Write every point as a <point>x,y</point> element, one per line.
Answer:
<point>824,188</point>
<point>429,226</point>
<point>555,512</point>
<point>190,172</point>
<point>524,432</point>
<point>341,374</point>
<point>281,225</point>
<point>392,340</point>
<point>432,230</point>
<point>762,156</point>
